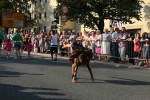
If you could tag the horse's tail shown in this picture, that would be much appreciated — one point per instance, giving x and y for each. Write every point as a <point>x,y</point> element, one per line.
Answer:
<point>83,59</point>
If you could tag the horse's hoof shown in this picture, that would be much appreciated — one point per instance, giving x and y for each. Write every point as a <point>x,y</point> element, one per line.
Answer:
<point>92,78</point>
<point>74,80</point>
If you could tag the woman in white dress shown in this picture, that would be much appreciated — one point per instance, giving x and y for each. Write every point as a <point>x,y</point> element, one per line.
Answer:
<point>106,37</point>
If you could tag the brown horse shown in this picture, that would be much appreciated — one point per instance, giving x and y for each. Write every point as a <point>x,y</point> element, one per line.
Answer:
<point>81,57</point>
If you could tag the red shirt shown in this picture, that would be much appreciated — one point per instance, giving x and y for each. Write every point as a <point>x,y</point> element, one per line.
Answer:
<point>29,47</point>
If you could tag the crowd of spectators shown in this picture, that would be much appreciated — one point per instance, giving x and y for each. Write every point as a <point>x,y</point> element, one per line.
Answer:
<point>114,45</point>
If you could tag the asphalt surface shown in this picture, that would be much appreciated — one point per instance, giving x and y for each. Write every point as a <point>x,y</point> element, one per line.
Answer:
<point>43,79</point>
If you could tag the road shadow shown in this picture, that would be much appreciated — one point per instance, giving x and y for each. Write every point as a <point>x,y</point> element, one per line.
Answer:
<point>15,92</point>
<point>5,73</point>
<point>146,10</point>
<point>88,80</point>
<point>125,81</point>
<point>115,80</point>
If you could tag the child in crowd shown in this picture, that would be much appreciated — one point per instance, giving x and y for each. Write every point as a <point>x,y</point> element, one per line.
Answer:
<point>4,43</point>
<point>8,47</point>
<point>147,53</point>
<point>35,44</point>
<point>29,48</point>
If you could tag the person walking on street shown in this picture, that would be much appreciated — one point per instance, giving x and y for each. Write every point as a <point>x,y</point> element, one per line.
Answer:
<point>29,47</point>
<point>54,45</point>
<point>1,40</point>
<point>8,47</point>
<point>17,44</point>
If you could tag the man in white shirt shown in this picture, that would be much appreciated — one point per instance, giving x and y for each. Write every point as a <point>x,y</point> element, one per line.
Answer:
<point>54,45</point>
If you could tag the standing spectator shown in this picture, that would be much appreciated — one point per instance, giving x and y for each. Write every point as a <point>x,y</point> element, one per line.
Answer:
<point>92,40</point>
<point>26,38</point>
<point>121,48</point>
<point>147,53</point>
<point>71,38</point>
<point>130,48</point>
<point>8,48</point>
<point>137,48</point>
<point>46,47</point>
<point>87,41</point>
<point>123,29</point>
<point>62,41</point>
<point>41,42</point>
<point>144,36</point>
<point>1,41</point>
<point>115,53</point>
<point>23,42</point>
<point>106,44</point>
<point>4,42</point>
<point>54,45</point>
<point>111,52</point>
<point>9,36</point>
<point>98,44</point>
<point>33,36</point>
<point>80,36</point>
<point>35,45</point>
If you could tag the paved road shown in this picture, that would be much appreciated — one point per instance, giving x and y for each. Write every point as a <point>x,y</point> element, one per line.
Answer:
<point>43,79</point>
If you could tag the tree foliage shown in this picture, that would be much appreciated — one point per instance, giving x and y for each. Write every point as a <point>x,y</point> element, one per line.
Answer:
<point>92,13</point>
<point>20,6</point>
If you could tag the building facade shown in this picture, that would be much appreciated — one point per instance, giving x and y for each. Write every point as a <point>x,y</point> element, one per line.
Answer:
<point>42,13</point>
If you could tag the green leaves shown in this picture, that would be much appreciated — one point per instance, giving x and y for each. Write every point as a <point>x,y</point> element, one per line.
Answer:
<point>92,13</point>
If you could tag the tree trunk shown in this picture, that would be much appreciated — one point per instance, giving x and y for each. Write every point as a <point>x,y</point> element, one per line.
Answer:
<point>101,25</point>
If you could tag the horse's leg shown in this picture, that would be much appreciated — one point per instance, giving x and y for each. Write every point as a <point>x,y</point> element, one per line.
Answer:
<point>90,70</point>
<point>74,71</point>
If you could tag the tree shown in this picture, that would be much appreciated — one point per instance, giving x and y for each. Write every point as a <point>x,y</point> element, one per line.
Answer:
<point>20,6</point>
<point>92,13</point>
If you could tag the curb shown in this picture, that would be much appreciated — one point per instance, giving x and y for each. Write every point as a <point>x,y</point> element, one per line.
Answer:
<point>44,55</point>
<point>92,61</point>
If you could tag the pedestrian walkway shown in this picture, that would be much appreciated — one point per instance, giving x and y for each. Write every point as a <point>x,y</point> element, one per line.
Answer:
<point>47,56</point>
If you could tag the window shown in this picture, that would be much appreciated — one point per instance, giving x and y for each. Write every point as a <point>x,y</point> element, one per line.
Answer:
<point>35,3</point>
<point>44,28</point>
<point>45,14</point>
<point>39,15</point>
<point>40,2</point>
<point>34,17</point>
<point>45,1</point>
